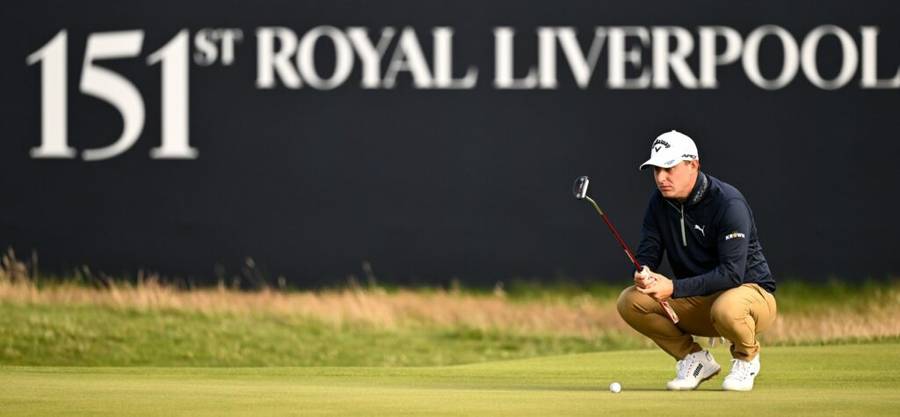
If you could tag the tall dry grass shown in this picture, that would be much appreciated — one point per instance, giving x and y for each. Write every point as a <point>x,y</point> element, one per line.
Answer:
<point>580,316</point>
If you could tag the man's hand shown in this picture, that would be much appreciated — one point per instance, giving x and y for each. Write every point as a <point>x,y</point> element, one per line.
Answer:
<point>643,278</point>
<point>655,285</point>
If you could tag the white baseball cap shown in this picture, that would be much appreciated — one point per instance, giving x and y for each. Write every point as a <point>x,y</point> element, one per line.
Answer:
<point>670,148</point>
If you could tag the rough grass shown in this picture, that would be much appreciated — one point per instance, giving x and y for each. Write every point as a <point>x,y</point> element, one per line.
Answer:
<point>89,335</point>
<point>150,323</point>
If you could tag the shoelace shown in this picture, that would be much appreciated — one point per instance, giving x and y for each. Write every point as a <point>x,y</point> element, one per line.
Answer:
<point>683,367</point>
<point>714,340</point>
<point>740,369</point>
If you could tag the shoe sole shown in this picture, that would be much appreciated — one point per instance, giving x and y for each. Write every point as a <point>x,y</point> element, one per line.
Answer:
<point>737,389</point>
<point>698,384</point>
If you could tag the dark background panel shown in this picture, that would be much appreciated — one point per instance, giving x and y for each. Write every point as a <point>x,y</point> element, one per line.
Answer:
<point>430,185</point>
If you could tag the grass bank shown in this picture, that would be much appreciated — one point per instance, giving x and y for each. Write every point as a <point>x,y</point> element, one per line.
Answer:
<point>150,323</point>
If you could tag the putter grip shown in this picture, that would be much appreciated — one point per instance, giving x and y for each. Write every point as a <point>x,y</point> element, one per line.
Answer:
<point>669,311</point>
<point>665,304</point>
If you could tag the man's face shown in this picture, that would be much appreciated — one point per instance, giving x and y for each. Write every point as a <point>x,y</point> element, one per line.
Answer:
<point>678,181</point>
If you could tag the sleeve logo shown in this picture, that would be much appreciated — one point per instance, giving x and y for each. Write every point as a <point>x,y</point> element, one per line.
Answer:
<point>735,235</point>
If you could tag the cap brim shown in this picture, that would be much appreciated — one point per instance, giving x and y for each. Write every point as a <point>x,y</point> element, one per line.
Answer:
<point>658,162</point>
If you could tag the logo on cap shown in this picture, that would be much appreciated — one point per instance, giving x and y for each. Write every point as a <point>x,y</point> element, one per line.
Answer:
<point>659,143</point>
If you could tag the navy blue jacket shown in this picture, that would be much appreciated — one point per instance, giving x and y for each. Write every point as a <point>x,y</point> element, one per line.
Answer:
<point>710,240</point>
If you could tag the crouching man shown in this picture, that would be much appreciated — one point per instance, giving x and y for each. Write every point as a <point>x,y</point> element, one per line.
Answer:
<point>721,285</point>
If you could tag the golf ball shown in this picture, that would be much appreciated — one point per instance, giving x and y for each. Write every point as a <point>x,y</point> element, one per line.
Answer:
<point>615,387</point>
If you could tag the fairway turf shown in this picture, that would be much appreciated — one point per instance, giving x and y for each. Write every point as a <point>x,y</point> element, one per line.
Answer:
<point>842,380</point>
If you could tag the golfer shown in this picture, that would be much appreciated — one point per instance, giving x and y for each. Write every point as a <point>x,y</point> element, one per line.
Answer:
<point>721,285</point>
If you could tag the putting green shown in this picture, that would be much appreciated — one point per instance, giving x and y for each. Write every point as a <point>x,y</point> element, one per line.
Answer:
<point>845,380</point>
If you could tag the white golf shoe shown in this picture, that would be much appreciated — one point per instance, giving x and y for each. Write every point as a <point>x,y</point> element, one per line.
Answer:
<point>692,370</point>
<point>742,375</point>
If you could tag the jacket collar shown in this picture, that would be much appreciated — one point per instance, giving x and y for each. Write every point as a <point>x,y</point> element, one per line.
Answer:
<point>701,187</point>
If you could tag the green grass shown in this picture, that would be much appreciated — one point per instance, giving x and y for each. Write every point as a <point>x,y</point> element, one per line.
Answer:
<point>845,380</point>
<point>90,335</point>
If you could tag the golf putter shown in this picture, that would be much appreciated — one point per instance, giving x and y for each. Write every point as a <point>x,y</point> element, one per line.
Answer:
<point>580,190</point>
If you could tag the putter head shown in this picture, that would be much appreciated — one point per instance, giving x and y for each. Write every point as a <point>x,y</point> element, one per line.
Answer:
<point>580,187</point>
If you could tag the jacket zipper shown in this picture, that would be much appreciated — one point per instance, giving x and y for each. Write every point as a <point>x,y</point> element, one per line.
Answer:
<point>680,209</point>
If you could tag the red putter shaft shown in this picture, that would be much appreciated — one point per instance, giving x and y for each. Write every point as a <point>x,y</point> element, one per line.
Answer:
<point>665,304</point>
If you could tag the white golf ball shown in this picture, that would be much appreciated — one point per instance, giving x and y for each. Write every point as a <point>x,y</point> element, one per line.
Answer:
<point>615,387</point>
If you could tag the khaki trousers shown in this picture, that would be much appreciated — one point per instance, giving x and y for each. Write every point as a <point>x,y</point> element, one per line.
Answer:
<point>737,314</point>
